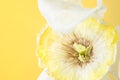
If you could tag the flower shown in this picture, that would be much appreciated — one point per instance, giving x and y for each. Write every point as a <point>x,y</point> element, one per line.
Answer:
<point>84,53</point>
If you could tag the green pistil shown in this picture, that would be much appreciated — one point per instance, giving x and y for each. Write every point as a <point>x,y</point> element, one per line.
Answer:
<point>84,52</point>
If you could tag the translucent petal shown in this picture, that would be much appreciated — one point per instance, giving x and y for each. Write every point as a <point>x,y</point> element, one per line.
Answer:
<point>63,16</point>
<point>118,55</point>
<point>44,76</point>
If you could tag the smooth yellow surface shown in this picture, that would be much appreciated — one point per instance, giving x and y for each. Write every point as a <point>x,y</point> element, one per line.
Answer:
<point>20,22</point>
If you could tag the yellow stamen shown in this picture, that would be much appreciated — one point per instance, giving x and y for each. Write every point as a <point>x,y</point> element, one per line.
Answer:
<point>84,53</point>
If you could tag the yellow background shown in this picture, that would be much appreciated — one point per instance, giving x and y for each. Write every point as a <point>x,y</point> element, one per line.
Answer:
<point>20,22</point>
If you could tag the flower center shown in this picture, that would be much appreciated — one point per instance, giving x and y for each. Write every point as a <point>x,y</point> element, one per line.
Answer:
<point>83,52</point>
<point>78,50</point>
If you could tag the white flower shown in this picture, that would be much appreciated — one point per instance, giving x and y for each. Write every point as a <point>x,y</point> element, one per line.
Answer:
<point>75,45</point>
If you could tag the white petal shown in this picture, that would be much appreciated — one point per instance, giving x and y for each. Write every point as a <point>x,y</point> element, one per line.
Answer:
<point>63,17</point>
<point>119,70</point>
<point>44,76</point>
<point>118,55</point>
<point>115,68</point>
